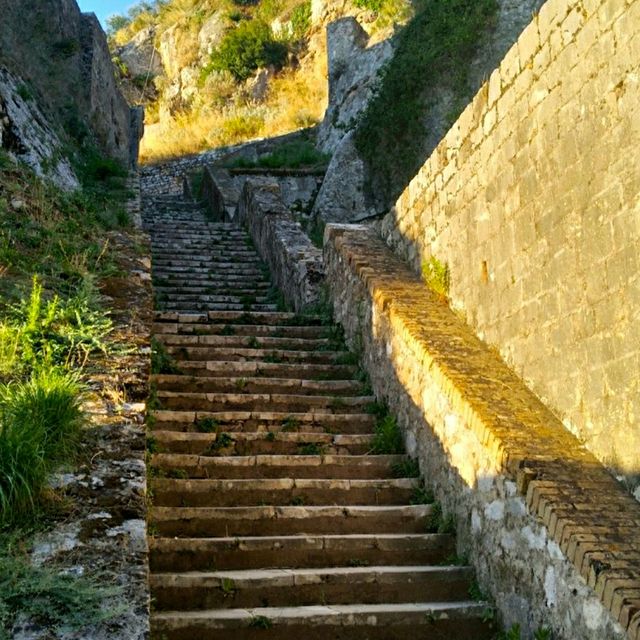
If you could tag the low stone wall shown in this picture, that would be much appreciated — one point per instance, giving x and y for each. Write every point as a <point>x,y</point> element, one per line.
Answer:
<point>553,537</point>
<point>296,265</point>
<point>221,193</point>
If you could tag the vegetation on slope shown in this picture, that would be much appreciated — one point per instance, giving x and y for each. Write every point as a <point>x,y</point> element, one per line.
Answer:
<point>436,47</point>
<point>54,248</point>
<point>226,107</point>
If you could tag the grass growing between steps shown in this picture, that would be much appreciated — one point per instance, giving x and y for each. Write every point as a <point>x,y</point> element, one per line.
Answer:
<point>292,155</point>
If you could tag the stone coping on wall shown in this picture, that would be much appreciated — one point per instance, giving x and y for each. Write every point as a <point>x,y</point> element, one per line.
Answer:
<point>296,265</point>
<point>595,522</point>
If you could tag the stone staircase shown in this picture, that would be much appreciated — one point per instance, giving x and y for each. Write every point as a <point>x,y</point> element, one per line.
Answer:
<point>270,515</point>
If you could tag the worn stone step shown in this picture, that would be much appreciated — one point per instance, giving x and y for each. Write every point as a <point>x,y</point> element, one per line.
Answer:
<point>185,287</point>
<point>276,442</point>
<point>438,621</point>
<point>171,492</point>
<point>247,421</point>
<point>266,343</point>
<point>195,306</point>
<point>204,384</point>
<point>268,356</point>
<point>287,403</point>
<point>312,332</point>
<point>295,371</point>
<point>196,554</point>
<point>288,520</point>
<point>274,466</point>
<point>233,299</point>
<point>284,318</point>
<point>309,586</point>
<point>205,276</point>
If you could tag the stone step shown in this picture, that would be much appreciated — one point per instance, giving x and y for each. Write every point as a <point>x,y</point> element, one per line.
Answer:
<point>308,587</point>
<point>312,332</point>
<point>261,421</point>
<point>261,443</point>
<point>442,621</point>
<point>288,520</point>
<point>274,466</point>
<point>185,286</point>
<point>212,298</point>
<point>265,356</point>
<point>240,317</point>
<point>197,554</point>
<point>286,403</point>
<point>194,307</point>
<point>205,277</point>
<point>171,492</point>
<point>205,384</point>
<point>252,342</point>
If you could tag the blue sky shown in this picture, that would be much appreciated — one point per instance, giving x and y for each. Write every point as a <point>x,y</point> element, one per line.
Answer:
<point>104,8</point>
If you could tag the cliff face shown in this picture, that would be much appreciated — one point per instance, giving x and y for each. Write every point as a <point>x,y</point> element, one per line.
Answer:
<point>59,60</point>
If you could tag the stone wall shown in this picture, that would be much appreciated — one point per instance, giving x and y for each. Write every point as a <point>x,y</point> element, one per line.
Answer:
<point>551,534</point>
<point>532,201</point>
<point>296,265</point>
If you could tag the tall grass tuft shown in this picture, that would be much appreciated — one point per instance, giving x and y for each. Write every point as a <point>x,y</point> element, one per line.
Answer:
<point>40,424</point>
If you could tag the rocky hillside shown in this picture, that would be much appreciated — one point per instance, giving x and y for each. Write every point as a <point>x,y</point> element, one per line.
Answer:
<point>214,72</point>
<point>59,100</point>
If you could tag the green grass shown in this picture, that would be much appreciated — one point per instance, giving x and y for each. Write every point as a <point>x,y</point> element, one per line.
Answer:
<point>406,469</point>
<point>436,276</point>
<point>436,47</point>
<point>291,155</point>
<point>40,425</point>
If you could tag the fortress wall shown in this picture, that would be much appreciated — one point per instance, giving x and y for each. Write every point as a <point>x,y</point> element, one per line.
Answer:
<point>533,201</point>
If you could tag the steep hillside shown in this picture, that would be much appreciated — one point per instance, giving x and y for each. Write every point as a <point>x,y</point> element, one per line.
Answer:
<point>214,72</point>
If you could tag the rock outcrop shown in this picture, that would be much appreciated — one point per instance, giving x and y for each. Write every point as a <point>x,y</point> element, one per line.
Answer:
<point>57,63</point>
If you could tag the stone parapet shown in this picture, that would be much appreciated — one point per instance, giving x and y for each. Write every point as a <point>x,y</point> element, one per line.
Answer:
<point>295,264</point>
<point>552,534</point>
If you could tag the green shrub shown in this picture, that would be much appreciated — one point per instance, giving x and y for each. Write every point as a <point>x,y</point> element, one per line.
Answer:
<point>40,423</point>
<point>436,276</point>
<point>292,155</point>
<point>246,48</point>
<point>434,50</point>
<point>370,5</point>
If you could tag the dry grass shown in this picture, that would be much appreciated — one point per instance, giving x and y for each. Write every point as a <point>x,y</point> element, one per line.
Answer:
<point>296,99</point>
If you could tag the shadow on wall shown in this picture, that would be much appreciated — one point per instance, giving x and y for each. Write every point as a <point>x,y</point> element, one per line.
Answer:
<point>531,201</point>
<point>441,59</point>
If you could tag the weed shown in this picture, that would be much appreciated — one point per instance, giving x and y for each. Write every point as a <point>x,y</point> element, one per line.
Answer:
<point>437,522</point>
<point>260,622</point>
<point>222,441</point>
<point>388,437</point>
<point>436,276</point>
<point>290,424</point>
<point>50,598</point>
<point>476,593</point>
<point>298,501</point>
<point>227,330</point>
<point>228,587</point>
<point>311,449</point>
<point>348,358</point>
<point>408,468</point>
<point>422,495</point>
<point>241,383</point>
<point>271,436</point>
<point>543,633</point>
<point>161,361</point>
<point>357,562</point>
<point>177,474</point>
<point>253,343</point>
